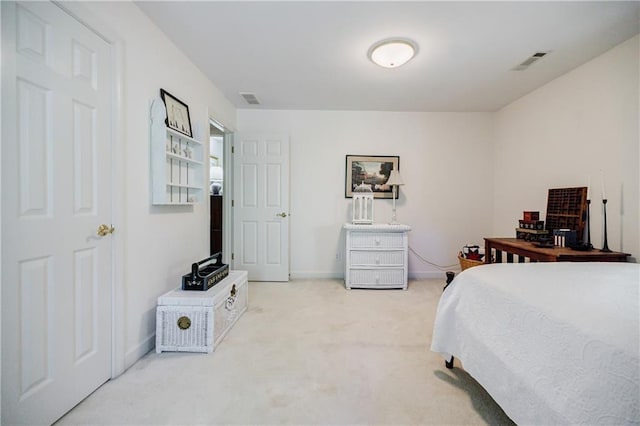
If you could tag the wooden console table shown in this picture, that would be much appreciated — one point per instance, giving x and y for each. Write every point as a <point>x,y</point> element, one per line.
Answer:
<point>524,249</point>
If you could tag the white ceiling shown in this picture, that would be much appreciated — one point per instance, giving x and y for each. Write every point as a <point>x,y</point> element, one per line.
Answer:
<point>312,55</point>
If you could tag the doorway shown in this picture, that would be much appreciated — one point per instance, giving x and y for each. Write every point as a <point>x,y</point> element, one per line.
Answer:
<point>216,186</point>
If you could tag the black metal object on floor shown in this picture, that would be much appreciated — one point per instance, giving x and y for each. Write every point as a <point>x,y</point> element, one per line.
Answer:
<point>450,276</point>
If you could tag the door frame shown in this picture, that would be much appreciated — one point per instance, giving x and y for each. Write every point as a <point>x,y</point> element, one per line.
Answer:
<point>227,177</point>
<point>118,327</point>
<point>227,201</point>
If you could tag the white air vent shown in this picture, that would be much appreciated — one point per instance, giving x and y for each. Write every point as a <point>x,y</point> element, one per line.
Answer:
<point>530,60</point>
<point>250,98</point>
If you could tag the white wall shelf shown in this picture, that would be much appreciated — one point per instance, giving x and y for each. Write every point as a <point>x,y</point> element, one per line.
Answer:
<point>176,163</point>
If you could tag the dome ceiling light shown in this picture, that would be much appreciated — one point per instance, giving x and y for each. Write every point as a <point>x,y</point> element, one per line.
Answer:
<point>392,52</point>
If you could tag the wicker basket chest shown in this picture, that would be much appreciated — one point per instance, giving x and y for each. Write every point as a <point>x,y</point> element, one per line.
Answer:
<point>196,321</point>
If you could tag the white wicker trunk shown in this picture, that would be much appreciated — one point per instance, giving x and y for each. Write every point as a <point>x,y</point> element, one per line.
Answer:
<point>196,321</point>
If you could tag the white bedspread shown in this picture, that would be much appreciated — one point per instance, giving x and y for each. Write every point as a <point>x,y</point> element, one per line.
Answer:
<point>552,343</point>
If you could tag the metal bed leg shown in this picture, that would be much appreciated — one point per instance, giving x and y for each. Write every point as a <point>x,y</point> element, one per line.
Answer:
<point>449,363</point>
<point>450,276</point>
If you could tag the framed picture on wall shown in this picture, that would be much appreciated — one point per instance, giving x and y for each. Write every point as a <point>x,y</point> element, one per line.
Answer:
<point>177,113</point>
<point>372,170</point>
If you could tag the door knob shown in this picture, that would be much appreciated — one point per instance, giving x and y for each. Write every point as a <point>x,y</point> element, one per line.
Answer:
<point>283,214</point>
<point>104,230</point>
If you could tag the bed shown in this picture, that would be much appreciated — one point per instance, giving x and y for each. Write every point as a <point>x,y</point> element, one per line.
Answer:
<point>552,343</point>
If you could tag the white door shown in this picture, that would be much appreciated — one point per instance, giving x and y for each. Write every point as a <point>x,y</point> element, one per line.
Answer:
<point>56,191</point>
<point>261,207</point>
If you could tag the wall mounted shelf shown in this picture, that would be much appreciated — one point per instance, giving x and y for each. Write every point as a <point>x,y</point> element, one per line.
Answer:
<point>176,162</point>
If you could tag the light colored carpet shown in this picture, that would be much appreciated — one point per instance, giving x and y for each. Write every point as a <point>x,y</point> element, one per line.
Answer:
<point>305,352</point>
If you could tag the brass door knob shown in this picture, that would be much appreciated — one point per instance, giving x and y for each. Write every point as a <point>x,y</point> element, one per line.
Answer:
<point>104,230</point>
<point>283,214</point>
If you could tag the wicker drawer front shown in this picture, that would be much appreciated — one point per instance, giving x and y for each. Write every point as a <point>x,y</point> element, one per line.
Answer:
<point>377,258</point>
<point>227,312</point>
<point>377,277</point>
<point>377,240</point>
<point>185,328</point>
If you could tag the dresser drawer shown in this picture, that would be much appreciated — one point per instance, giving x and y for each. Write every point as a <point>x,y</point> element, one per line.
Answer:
<point>377,240</point>
<point>376,258</point>
<point>377,277</point>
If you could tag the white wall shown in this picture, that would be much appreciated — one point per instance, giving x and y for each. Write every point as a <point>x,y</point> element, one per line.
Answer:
<point>562,133</point>
<point>160,242</point>
<point>445,161</point>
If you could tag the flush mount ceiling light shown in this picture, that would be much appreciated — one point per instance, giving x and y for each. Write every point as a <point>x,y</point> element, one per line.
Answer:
<point>392,52</point>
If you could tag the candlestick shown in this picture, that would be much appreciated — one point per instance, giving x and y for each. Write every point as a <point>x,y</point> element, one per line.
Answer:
<point>605,246</point>
<point>588,245</point>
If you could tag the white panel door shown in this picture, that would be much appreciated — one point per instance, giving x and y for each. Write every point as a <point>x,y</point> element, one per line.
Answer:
<point>56,191</point>
<point>261,207</point>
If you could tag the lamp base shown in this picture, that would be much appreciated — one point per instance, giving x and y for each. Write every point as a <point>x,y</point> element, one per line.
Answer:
<point>393,211</point>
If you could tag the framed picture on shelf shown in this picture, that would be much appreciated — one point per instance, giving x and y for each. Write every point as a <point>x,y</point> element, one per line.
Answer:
<point>177,113</point>
<point>372,170</point>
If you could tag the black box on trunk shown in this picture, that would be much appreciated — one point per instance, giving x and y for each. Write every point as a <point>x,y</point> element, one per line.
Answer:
<point>205,273</point>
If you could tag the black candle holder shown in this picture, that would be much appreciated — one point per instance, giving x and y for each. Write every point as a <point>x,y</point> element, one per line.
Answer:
<point>605,246</point>
<point>587,245</point>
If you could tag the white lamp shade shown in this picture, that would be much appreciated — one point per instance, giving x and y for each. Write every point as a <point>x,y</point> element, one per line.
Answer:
<point>395,178</point>
<point>215,173</point>
<point>392,53</point>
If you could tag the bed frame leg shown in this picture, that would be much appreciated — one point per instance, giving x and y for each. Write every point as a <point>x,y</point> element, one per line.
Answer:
<point>449,363</point>
<point>450,276</point>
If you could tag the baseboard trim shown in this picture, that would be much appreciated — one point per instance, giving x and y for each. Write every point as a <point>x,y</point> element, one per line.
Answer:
<point>140,350</point>
<point>428,275</point>
<point>312,275</point>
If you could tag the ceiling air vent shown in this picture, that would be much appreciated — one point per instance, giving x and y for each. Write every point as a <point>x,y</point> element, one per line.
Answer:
<point>529,61</point>
<point>250,98</point>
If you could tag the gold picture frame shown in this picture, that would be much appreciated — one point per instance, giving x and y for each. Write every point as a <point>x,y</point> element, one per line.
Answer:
<point>372,170</point>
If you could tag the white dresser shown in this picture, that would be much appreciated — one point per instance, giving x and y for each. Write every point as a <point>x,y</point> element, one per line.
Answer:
<point>376,256</point>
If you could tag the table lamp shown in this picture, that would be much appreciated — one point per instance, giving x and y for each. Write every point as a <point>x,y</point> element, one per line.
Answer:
<point>395,180</point>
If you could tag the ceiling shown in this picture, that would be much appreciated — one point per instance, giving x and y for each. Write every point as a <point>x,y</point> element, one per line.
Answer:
<point>313,54</point>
